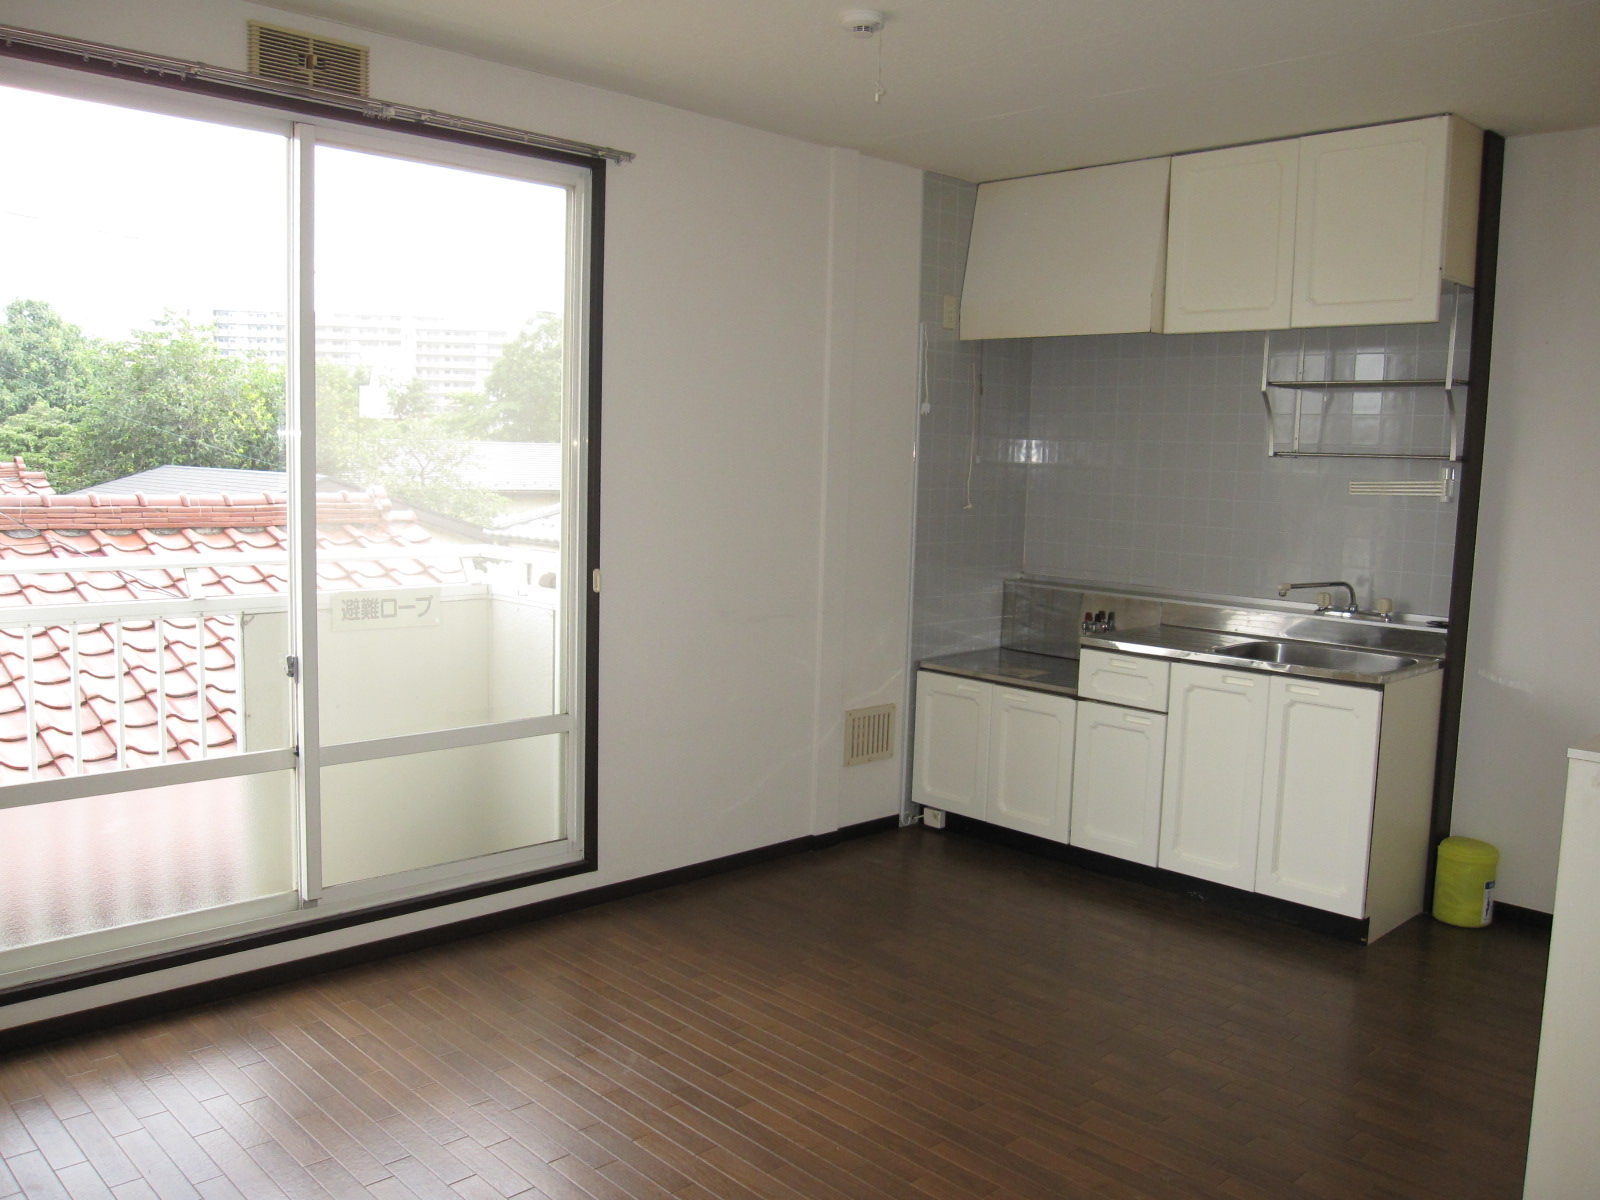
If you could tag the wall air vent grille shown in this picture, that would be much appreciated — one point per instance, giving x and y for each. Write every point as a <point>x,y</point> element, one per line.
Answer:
<point>868,734</point>
<point>308,60</point>
<point>1439,489</point>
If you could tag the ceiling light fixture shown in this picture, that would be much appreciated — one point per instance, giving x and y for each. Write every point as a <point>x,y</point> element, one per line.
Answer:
<point>865,23</point>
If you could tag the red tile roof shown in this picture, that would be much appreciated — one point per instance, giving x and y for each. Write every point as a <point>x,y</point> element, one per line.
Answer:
<point>17,480</point>
<point>71,723</point>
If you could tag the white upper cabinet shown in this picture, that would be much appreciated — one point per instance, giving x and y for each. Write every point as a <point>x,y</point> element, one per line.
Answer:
<point>1074,252</point>
<point>1360,227</point>
<point>1384,216</point>
<point>1230,238</point>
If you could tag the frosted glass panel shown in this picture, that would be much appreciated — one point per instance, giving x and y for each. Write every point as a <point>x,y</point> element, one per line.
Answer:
<point>484,653</point>
<point>78,866</point>
<point>441,350</point>
<point>422,810</point>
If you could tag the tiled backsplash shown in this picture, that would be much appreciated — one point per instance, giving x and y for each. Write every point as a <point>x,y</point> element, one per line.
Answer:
<point>1141,459</point>
<point>1151,465</point>
<point>971,508</point>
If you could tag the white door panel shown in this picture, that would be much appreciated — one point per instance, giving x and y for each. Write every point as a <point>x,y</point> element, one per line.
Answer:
<point>1031,738</point>
<point>1317,794</point>
<point>1116,781</point>
<point>1211,792</point>
<point>952,743</point>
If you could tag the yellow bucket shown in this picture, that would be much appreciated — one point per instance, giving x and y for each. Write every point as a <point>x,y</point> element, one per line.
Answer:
<point>1463,886</point>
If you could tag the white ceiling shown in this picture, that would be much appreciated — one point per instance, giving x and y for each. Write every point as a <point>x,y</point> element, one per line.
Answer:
<point>987,89</point>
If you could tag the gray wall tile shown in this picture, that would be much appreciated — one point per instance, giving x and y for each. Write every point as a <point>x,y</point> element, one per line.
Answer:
<point>1141,459</point>
<point>971,449</point>
<point>1160,476</point>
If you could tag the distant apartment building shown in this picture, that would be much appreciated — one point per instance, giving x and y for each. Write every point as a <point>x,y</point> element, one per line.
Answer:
<point>448,356</point>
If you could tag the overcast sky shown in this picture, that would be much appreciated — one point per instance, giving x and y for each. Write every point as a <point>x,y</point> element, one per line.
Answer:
<point>114,215</point>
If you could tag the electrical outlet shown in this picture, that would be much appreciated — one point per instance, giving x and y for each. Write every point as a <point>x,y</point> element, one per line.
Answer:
<point>933,818</point>
<point>950,311</point>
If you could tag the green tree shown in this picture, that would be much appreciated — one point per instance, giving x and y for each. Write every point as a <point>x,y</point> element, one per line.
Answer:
<point>521,400</point>
<point>169,395</point>
<point>44,359</point>
<point>416,455</point>
<point>41,435</point>
<point>85,412</point>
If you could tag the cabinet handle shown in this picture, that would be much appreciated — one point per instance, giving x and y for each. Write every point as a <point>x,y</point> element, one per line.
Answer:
<point>1131,720</point>
<point>1238,681</point>
<point>1125,666</point>
<point>1301,689</point>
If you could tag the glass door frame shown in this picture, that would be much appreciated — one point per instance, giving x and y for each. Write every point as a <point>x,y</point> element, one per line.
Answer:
<point>322,909</point>
<point>574,577</point>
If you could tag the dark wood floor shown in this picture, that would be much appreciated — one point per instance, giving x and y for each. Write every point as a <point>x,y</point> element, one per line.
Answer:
<point>912,1014</point>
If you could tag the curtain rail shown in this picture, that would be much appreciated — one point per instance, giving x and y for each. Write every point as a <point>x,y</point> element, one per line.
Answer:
<point>118,58</point>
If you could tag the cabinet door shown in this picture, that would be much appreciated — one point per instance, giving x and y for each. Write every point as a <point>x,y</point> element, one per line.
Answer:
<point>1316,794</point>
<point>952,743</point>
<point>1211,786</point>
<point>1116,781</point>
<point>1230,238</point>
<point>1073,252</point>
<point>1030,762</point>
<point>1371,226</point>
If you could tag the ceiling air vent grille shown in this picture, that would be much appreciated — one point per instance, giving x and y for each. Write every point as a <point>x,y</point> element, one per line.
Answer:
<point>307,60</point>
<point>868,734</point>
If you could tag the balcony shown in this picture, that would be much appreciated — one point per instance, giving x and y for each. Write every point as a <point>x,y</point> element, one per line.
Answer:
<point>114,663</point>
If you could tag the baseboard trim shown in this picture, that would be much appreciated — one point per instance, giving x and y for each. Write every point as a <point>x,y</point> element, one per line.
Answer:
<point>212,990</point>
<point>1353,929</point>
<point>1517,915</point>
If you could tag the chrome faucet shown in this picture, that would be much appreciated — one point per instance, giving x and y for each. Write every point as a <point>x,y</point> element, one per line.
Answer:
<point>1324,606</point>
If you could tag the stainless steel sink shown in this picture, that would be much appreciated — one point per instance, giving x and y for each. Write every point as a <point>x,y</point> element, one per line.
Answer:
<point>1317,656</point>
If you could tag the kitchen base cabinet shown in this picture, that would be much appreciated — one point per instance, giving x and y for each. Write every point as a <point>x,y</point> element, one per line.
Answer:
<point>1002,755</point>
<point>1123,679</point>
<point>1290,786</point>
<point>1347,798</point>
<point>1211,786</point>
<point>1402,802</point>
<point>1116,781</point>
<point>951,747</point>
<point>1317,791</point>
<point>1031,737</point>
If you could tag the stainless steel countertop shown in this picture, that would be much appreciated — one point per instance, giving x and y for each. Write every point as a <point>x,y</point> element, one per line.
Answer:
<point>1048,673</point>
<point>1011,668</point>
<point>1212,647</point>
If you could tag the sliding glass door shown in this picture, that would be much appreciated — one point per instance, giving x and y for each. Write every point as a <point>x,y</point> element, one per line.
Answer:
<point>293,580</point>
<point>443,294</point>
<point>146,763</point>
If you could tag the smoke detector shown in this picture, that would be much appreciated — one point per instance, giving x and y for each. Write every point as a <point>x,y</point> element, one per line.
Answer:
<point>862,22</point>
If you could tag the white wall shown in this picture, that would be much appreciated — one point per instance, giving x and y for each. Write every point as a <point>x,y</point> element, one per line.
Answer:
<point>759,379</point>
<point>1533,654</point>
<point>863,587</point>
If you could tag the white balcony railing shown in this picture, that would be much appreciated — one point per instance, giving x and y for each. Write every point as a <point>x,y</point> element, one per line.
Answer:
<point>103,686</point>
